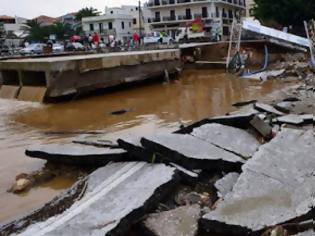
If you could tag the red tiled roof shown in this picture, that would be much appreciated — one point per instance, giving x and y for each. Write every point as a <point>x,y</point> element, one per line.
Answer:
<point>46,19</point>
<point>5,17</point>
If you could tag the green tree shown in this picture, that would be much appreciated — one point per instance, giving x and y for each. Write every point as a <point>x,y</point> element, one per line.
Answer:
<point>284,12</point>
<point>62,31</point>
<point>35,31</point>
<point>86,12</point>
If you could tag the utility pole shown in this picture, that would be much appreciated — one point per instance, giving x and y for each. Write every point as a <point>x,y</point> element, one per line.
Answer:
<point>140,25</point>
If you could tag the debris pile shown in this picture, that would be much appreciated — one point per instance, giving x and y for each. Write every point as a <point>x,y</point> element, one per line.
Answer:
<point>247,173</point>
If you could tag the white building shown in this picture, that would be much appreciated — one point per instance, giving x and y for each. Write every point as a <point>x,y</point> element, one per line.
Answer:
<point>121,22</point>
<point>217,15</point>
<point>14,28</point>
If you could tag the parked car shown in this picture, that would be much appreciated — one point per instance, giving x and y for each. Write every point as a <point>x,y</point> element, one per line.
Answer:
<point>34,48</point>
<point>4,50</point>
<point>75,46</point>
<point>155,37</point>
<point>57,47</point>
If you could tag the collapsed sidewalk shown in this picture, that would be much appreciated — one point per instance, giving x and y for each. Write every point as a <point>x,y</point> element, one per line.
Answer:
<point>248,173</point>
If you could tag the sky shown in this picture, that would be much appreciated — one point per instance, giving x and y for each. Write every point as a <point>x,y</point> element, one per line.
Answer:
<point>54,8</point>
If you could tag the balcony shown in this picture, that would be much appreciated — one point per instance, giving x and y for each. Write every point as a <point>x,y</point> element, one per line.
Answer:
<point>185,17</point>
<point>155,20</point>
<point>169,18</point>
<point>170,3</point>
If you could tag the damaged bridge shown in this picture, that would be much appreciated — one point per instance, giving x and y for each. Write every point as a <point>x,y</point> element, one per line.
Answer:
<point>45,78</point>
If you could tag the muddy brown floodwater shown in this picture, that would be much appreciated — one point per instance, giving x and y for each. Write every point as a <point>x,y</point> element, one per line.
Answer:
<point>198,94</point>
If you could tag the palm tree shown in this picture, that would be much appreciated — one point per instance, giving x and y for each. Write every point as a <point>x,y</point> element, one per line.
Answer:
<point>34,30</point>
<point>86,12</point>
<point>62,31</point>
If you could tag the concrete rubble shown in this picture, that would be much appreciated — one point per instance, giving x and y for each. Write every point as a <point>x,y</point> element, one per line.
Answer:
<point>267,108</point>
<point>228,138</point>
<point>277,185</point>
<point>191,152</point>
<point>180,221</point>
<point>76,154</point>
<point>307,233</point>
<point>225,185</point>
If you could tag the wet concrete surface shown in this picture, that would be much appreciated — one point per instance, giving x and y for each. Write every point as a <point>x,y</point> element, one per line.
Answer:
<point>198,94</point>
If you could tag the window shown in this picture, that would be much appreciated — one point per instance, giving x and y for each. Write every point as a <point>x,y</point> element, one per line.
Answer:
<point>172,15</point>
<point>110,25</point>
<point>91,27</point>
<point>134,20</point>
<point>111,12</point>
<point>123,25</point>
<point>129,24</point>
<point>100,25</point>
<point>136,8</point>
<point>204,12</point>
<point>217,13</point>
<point>188,13</point>
<point>230,14</point>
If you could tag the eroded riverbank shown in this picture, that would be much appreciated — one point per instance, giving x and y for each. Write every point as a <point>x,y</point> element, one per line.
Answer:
<point>196,95</point>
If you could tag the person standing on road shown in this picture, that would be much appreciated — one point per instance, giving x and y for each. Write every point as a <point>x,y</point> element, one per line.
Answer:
<point>135,38</point>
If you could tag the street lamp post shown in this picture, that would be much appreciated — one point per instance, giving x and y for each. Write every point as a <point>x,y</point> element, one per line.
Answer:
<point>140,26</point>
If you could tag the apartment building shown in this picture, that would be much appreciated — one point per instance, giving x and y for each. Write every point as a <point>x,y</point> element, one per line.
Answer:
<point>121,22</point>
<point>14,29</point>
<point>217,15</point>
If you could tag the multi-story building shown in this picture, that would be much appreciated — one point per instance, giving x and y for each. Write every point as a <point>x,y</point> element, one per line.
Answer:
<point>120,22</point>
<point>69,19</point>
<point>217,15</point>
<point>249,6</point>
<point>14,28</point>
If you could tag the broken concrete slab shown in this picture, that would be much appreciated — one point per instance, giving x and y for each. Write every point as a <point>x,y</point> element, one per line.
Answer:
<point>261,127</point>
<point>284,107</point>
<point>290,119</point>
<point>188,176</point>
<point>293,119</point>
<point>237,120</point>
<point>111,202</point>
<point>307,233</point>
<point>277,185</point>
<point>77,154</point>
<point>225,185</point>
<point>192,153</point>
<point>232,139</point>
<point>134,147</point>
<point>267,108</point>
<point>180,221</point>
<point>132,144</point>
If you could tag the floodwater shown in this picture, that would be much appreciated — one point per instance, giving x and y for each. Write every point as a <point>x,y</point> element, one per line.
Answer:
<point>198,94</point>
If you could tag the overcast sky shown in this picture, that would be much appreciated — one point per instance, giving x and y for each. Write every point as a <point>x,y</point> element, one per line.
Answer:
<point>33,8</point>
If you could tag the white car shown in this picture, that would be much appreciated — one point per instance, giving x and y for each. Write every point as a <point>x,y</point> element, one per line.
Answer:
<point>75,46</point>
<point>34,48</point>
<point>57,47</point>
<point>155,38</point>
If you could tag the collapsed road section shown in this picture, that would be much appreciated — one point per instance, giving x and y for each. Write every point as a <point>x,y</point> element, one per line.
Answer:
<point>116,196</point>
